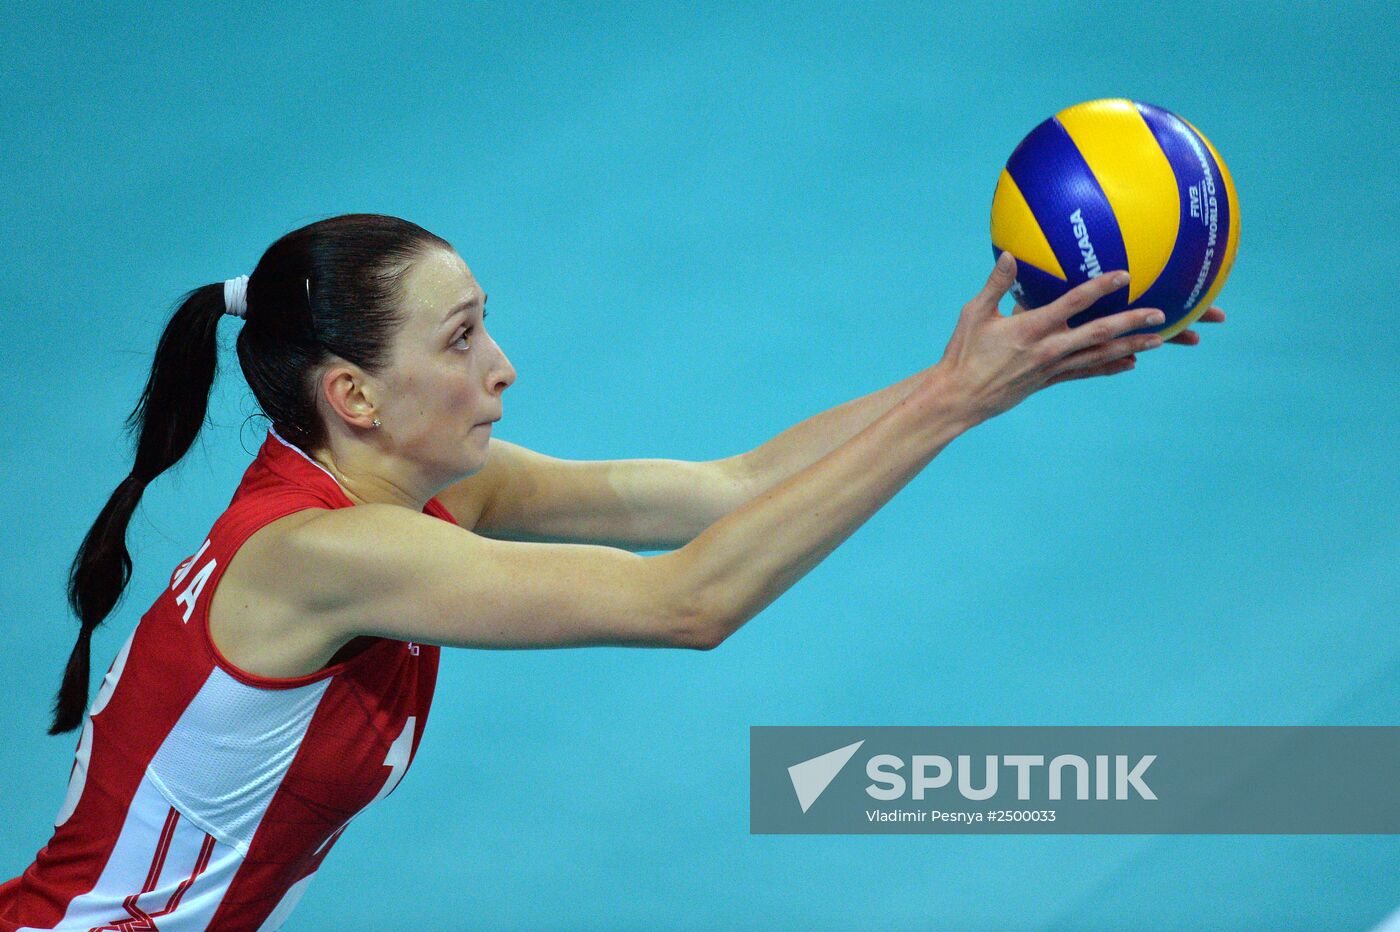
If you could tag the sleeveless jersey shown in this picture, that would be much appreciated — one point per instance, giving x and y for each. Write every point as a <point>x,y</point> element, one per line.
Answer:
<point>203,796</point>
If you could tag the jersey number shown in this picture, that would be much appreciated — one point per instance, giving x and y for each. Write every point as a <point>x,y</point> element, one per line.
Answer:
<point>397,762</point>
<point>78,779</point>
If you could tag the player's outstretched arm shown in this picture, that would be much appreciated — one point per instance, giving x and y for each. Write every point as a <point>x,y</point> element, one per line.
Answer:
<point>644,504</point>
<point>663,504</point>
<point>380,569</point>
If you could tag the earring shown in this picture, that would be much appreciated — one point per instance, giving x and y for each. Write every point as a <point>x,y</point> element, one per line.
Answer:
<point>376,422</point>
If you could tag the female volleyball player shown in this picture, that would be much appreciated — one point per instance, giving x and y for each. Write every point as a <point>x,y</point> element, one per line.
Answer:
<point>281,681</point>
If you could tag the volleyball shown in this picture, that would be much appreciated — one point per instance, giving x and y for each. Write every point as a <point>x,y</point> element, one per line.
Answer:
<point>1118,184</point>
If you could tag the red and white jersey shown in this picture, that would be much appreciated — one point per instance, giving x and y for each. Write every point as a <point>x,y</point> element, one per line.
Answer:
<point>203,796</point>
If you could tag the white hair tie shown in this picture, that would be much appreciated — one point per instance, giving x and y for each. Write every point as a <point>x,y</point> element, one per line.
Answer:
<point>236,296</point>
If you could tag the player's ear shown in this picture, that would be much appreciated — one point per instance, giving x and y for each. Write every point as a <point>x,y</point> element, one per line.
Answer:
<point>345,389</point>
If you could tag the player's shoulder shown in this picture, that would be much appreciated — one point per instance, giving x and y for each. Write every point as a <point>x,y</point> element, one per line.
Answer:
<point>358,553</point>
<point>265,561</point>
<point>355,526</point>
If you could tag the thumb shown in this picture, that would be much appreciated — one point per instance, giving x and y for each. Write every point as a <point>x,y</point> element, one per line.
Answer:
<point>998,283</point>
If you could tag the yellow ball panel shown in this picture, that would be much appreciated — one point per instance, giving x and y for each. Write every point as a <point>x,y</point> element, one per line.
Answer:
<point>1015,229</point>
<point>1137,179</point>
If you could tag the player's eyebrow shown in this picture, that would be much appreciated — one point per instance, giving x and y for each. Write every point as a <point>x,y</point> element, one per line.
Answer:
<point>481,296</point>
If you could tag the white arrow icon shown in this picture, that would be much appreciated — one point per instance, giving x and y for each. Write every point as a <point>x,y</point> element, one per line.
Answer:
<point>811,777</point>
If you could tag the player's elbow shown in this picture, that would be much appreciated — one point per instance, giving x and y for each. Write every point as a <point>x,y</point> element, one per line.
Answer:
<point>684,624</point>
<point>705,627</point>
<point>700,640</point>
<point>701,637</point>
<point>696,619</point>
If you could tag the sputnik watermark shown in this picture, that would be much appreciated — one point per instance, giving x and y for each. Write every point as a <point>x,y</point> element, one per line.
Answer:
<point>891,784</point>
<point>1121,780</point>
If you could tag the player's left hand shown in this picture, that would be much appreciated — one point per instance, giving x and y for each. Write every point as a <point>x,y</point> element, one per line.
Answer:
<point>1187,337</point>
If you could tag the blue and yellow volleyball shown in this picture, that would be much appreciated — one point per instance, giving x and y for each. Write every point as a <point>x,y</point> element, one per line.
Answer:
<point>1118,184</point>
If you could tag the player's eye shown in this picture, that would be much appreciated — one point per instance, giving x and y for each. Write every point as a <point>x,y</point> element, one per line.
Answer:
<point>467,333</point>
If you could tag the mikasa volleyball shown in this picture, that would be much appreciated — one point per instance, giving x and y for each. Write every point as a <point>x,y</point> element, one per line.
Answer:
<point>1118,184</point>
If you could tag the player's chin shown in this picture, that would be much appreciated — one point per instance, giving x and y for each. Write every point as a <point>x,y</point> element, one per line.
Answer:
<point>473,461</point>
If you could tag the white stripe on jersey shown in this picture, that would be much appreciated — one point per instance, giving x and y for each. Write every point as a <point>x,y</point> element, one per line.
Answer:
<point>164,872</point>
<point>200,801</point>
<point>225,758</point>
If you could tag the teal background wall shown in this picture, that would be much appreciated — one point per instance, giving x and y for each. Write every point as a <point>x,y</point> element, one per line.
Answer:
<point>699,224</point>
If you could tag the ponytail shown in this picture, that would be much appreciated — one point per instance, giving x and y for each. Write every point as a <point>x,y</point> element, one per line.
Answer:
<point>332,288</point>
<point>166,420</point>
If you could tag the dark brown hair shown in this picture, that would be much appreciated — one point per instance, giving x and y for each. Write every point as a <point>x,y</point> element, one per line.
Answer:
<point>331,288</point>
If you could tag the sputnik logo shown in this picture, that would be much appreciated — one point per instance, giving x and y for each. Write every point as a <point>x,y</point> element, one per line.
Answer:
<point>811,777</point>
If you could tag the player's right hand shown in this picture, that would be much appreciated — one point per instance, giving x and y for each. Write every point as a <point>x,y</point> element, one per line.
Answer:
<point>993,361</point>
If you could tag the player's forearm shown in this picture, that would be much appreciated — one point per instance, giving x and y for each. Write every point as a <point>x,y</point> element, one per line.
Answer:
<point>804,443</point>
<point>717,487</point>
<point>744,561</point>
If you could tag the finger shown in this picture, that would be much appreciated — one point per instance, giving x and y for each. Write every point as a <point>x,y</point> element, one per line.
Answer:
<point>1098,332</point>
<point>1104,353</point>
<point>1058,312</point>
<point>1125,364</point>
<point>1017,309</point>
<point>998,283</point>
<point>1213,315</point>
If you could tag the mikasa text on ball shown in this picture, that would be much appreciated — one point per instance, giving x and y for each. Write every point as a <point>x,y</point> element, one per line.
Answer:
<point>1118,184</point>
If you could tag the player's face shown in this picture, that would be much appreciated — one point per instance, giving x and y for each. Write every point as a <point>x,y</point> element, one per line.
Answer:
<point>447,376</point>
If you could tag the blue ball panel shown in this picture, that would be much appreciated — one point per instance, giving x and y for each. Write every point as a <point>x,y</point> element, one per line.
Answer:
<point>1035,287</point>
<point>1056,181</point>
<point>1181,285</point>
